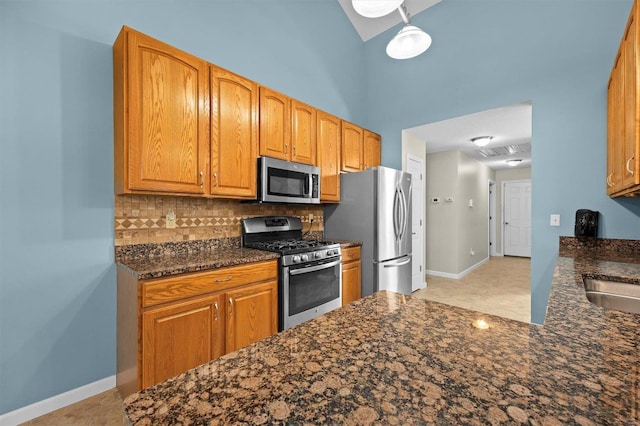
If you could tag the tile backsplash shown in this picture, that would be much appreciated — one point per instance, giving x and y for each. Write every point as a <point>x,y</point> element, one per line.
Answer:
<point>141,219</point>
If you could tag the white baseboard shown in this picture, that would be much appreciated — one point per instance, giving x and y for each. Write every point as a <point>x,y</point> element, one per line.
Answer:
<point>56,402</point>
<point>461,274</point>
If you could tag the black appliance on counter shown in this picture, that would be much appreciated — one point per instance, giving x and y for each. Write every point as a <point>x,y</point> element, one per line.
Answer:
<point>309,272</point>
<point>586,224</point>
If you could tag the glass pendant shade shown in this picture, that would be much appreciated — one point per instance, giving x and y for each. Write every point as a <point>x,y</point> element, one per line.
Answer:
<point>408,43</point>
<point>482,140</point>
<point>375,8</point>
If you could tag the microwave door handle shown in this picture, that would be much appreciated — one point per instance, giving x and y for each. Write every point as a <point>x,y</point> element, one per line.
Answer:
<point>315,268</point>
<point>307,184</point>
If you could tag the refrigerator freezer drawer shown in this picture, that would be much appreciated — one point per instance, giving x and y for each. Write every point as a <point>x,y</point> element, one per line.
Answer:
<point>395,275</point>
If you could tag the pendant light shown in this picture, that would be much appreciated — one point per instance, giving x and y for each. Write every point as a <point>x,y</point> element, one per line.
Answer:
<point>375,8</point>
<point>408,43</point>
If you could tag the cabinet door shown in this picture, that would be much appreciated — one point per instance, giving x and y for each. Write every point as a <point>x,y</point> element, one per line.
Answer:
<point>252,314</point>
<point>372,142</point>
<point>612,159</point>
<point>166,113</point>
<point>351,275</point>
<point>181,336</point>
<point>631,159</point>
<point>619,127</point>
<point>275,124</point>
<point>234,134</point>
<point>329,140</point>
<point>352,148</point>
<point>303,133</point>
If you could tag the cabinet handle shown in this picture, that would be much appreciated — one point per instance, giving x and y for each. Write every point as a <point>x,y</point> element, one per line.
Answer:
<point>628,161</point>
<point>609,182</point>
<point>286,148</point>
<point>215,180</point>
<point>294,150</point>
<point>215,312</point>
<point>201,179</point>
<point>229,278</point>
<point>230,306</point>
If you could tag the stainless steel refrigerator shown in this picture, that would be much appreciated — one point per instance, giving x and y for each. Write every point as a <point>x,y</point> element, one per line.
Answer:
<point>375,208</point>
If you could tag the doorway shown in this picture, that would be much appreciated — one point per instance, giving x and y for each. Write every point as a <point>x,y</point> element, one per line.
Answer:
<point>492,218</point>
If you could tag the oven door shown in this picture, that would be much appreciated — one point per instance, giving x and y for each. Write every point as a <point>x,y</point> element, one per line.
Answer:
<point>309,291</point>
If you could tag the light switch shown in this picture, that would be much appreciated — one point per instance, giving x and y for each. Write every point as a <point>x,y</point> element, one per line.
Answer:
<point>555,220</point>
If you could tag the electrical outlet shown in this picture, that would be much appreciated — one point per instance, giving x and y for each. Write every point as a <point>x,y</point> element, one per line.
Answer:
<point>170,221</point>
<point>310,217</point>
<point>472,253</point>
<point>555,220</point>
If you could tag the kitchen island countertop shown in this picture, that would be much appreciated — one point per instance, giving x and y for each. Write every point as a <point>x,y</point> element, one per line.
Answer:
<point>394,359</point>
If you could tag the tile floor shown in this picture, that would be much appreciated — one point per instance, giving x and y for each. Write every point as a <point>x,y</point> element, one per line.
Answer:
<point>499,287</point>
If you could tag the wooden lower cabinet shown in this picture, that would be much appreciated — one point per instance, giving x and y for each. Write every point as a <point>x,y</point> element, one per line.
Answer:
<point>351,275</point>
<point>181,336</point>
<point>252,314</point>
<point>166,326</point>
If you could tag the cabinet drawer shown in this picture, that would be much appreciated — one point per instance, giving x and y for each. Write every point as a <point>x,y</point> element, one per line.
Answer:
<point>350,254</point>
<point>162,290</point>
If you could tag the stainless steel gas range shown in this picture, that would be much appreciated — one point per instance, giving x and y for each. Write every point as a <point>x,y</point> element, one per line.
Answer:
<point>310,271</point>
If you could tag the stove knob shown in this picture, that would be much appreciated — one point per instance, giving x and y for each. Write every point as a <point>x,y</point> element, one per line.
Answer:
<point>305,258</point>
<point>330,253</point>
<point>318,255</point>
<point>296,259</point>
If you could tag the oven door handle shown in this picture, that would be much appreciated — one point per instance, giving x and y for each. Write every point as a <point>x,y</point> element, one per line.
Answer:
<point>315,268</point>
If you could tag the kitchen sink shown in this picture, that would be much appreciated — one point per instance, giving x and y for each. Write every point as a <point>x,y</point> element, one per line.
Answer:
<point>616,295</point>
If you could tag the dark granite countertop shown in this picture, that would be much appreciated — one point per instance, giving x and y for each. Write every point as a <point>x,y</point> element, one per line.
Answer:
<point>162,266</point>
<point>393,359</point>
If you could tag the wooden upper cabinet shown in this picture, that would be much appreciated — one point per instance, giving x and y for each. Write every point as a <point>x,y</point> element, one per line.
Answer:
<point>161,113</point>
<point>181,336</point>
<point>303,133</point>
<point>234,134</point>
<point>352,147</point>
<point>329,141</point>
<point>275,124</point>
<point>631,174</point>
<point>623,115</point>
<point>252,314</point>
<point>372,146</point>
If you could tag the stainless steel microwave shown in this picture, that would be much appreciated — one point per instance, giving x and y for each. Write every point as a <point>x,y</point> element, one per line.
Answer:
<point>282,181</point>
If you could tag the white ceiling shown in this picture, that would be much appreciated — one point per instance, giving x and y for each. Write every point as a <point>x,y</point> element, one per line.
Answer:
<point>509,126</point>
<point>368,28</point>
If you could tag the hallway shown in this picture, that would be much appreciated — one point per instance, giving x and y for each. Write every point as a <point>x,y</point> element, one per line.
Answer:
<point>499,287</point>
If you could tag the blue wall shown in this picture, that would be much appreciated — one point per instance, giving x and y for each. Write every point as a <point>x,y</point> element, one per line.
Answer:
<point>57,301</point>
<point>487,54</point>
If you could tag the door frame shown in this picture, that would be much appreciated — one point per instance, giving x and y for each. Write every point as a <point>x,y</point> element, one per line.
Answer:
<point>504,184</point>
<point>492,217</point>
<point>420,161</point>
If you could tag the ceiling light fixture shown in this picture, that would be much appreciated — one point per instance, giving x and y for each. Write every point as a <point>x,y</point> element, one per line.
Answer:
<point>513,163</point>
<point>410,42</point>
<point>482,140</point>
<point>375,8</point>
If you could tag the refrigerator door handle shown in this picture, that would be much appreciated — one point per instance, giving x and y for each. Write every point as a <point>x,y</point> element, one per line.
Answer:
<point>396,215</point>
<point>404,213</point>
<point>395,265</point>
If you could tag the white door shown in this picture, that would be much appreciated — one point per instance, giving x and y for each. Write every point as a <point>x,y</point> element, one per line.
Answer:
<point>492,218</point>
<point>415,166</point>
<point>517,218</point>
